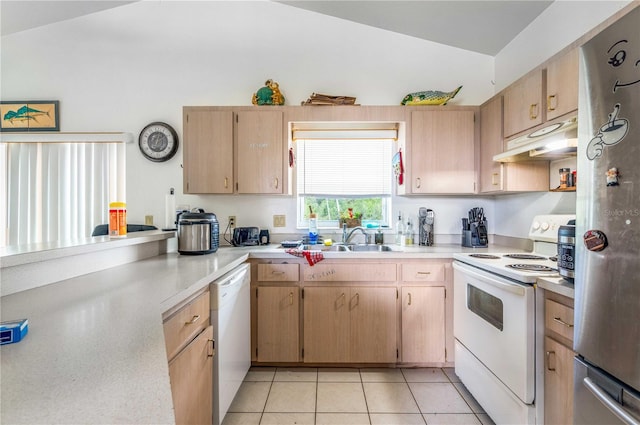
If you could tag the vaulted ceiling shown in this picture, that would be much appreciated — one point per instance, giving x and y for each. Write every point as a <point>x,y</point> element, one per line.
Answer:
<point>477,25</point>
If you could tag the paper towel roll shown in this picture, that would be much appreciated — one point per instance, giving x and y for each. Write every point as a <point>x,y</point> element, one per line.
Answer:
<point>170,211</point>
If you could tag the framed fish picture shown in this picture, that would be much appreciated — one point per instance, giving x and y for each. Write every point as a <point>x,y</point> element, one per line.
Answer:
<point>32,115</point>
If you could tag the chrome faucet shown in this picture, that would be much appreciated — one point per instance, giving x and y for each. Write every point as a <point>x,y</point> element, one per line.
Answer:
<point>346,237</point>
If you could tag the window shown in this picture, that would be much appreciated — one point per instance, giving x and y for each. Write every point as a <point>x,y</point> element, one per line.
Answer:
<point>335,175</point>
<point>58,191</point>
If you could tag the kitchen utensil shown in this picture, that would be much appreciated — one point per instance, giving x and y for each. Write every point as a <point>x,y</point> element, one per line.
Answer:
<point>198,232</point>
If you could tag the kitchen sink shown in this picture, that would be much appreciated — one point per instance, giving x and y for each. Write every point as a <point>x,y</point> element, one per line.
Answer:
<point>370,247</point>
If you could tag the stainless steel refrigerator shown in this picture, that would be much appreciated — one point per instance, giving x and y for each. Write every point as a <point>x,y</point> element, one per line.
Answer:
<point>607,284</point>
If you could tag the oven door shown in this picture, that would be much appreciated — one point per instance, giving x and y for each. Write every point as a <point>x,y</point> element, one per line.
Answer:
<point>494,319</point>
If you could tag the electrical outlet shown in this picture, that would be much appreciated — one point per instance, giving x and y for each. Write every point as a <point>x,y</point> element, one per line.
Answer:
<point>232,221</point>
<point>279,220</point>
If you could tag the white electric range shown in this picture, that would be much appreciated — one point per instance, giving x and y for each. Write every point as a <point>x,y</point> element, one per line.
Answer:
<point>498,324</point>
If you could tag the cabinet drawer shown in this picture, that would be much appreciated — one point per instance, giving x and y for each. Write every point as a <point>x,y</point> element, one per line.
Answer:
<point>186,324</point>
<point>559,318</point>
<point>351,272</point>
<point>278,272</point>
<point>423,272</point>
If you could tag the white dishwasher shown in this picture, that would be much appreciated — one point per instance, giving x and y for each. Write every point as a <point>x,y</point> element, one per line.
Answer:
<point>231,320</point>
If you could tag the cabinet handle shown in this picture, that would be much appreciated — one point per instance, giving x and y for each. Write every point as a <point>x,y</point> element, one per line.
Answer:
<point>211,348</point>
<point>551,104</point>
<point>562,322</point>
<point>409,303</point>
<point>357,298</point>
<point>276,182</point>
<point>533,111</point>
<point>494,179</point>
<point>418,183</point>
<point>422,275</point>
<point>193,320</point>
<point>549,353</point>
<point>226,182</point>
<point>277,272</point>
<point>290,298</point>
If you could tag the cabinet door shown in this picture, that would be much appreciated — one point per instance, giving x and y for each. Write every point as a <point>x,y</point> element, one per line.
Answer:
<point>278,324</point>
<point>511,177</point>
<point>260,152</point>
<point>522,104</point>
<point>442,152</point>
<point>491,143</point>
<point>208,151</point>
<point>326,324</point>
<point>558,383</point>
<point>373,325</point>
<point>423,324</point>
<point>191,375</point>
<point>562,85</point>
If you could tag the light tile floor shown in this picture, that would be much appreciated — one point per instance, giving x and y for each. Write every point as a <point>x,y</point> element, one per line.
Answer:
<point>343,396</point>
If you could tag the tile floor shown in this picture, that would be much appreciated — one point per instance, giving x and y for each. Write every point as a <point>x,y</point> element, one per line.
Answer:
<point>330,396</point>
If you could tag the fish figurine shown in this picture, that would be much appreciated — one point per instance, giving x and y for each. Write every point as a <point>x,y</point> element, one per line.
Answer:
<point>430,97</point>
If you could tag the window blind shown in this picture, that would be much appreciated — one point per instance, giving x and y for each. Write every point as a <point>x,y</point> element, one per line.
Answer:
<point>328,168</point>
<point>59,191</point>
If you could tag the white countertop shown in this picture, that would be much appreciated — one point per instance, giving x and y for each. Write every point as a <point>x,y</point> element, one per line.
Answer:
<point>558,285</point>
<point>95,349</point>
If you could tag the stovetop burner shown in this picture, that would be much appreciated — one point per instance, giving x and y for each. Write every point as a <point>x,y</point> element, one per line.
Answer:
<point>525,257</point>
<point>486,256</point>
<point>531,267</point>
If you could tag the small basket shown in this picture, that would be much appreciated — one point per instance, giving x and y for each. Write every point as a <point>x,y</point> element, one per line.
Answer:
<point>351,222</point>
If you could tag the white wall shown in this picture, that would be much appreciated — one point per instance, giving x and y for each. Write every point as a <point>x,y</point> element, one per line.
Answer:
<point>559,25</point>
<point>123,68</point>
<point>120,69</point>
<point>562,23</point>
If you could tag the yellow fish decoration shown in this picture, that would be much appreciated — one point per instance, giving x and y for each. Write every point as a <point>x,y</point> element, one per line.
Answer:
<point>431,97</point>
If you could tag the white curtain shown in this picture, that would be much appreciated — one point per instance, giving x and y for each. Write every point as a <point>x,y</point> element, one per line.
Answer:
<point>60,191</point>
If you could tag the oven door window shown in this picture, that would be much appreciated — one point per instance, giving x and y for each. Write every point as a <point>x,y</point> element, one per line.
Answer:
<point>486,306</point>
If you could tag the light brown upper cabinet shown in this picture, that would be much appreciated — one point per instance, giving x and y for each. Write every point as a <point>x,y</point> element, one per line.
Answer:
<point>208,151</point>
<point>210,164</point>
<point>498,177</point>
<point>260,152</point>
<point>441,159</point>
<point>542,95</point>
<point>562,85</point>
<point>523,107</point>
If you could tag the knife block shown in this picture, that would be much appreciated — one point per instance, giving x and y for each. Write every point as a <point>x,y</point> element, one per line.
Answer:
<point>476,237</point>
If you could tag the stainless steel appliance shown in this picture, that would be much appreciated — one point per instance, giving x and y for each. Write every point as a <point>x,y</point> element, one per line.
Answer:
<point>426,219</point>
<point>498,349</point>
<point>231,320</point>
<point>567,251</point>
<point>198,232</point>
<point>246,236</point>
<point>607,300</point>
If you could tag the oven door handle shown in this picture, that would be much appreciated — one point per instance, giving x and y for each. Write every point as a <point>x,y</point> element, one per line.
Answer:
<point>514,288</point>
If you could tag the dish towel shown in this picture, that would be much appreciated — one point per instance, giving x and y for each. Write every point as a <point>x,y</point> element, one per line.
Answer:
<point>312,257</point>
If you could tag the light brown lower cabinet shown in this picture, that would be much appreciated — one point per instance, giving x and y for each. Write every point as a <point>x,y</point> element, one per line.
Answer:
<point>278,311</point>
<point>191,374</point>
<point>423,324</point>
<point>558,383</point>
<point>558,366</point>
<point>345,324</point>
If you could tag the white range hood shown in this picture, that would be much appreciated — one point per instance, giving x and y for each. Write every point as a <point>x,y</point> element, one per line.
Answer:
<point>554,140</point>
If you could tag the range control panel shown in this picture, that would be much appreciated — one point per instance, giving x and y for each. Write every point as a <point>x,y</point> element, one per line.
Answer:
<point>545,227</point>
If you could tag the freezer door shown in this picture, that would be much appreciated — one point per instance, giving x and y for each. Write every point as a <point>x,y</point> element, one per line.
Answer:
<point>600,399</point>
<point>607,304</point>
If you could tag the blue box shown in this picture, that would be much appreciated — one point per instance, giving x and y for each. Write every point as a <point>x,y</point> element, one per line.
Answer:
<point>14,331</point>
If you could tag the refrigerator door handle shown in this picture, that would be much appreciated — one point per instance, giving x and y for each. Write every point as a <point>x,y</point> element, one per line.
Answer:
<point>610,403</point>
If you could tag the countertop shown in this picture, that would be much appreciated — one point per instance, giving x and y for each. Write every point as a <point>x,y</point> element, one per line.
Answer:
<point>95,349</point>
<point>558,285</point>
